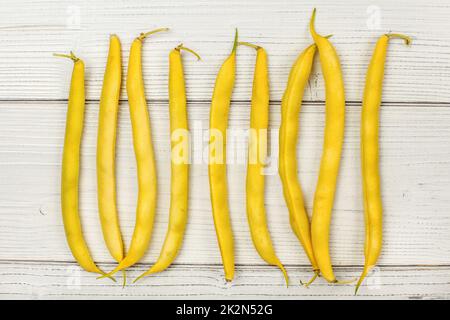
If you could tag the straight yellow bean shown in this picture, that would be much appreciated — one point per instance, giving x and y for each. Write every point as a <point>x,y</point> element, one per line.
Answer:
<point>218,124</point>
<point>373,209</point>
<point>179,177</point>
<point>106,151</point>
<point>257,152</point>
<point>290,109</point>
<point>331,154</point>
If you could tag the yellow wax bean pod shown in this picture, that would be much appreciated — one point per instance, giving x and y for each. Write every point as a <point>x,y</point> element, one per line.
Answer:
<point>179,165</point>
<point>106,149</point>
<point>331,154</point>
<point>257,153</point>
<point>71,168</point>
<point>218,124</point>
<point>290,109</point>
<point>373,209</point>
<point>145,159</point>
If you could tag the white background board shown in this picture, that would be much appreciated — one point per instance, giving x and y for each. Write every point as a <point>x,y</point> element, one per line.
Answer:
<point>414,143</point>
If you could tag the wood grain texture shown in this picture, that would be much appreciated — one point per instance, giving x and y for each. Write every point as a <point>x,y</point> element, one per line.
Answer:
<point>30,31</point>
<point>35,262</point>
<point>27,280</point>
<point>415,167</point>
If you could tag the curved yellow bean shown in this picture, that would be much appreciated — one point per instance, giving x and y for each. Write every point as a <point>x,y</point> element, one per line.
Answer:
<point>373,208</point>
<point>71,168</point>
<point>145,160</point>
<point>257,152</point>
<point>106,150</point>
<point>179,166</point>
<point>290,109</point>
<point>220,105</point>
<point>333,139</point>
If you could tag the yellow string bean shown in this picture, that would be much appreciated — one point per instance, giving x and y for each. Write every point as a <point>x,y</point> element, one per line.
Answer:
<point>257,152</point>
<point>373,209</point>
<point>220,105</point>
<point>331,154</point>
<point>179,164</point>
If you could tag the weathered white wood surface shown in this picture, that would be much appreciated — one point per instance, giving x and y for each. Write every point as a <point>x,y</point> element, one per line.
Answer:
<point>415,144</point>
<point>67,281</point>
<point>31,30</point>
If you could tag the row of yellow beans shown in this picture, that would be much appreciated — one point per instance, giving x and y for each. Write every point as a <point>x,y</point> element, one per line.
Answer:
<point>314,237</point>
<point>106,163</point>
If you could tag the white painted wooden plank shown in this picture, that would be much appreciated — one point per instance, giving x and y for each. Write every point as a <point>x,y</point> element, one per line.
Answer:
<point>66,281</point>
<point>31,30</point>
<point>415,167</point>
